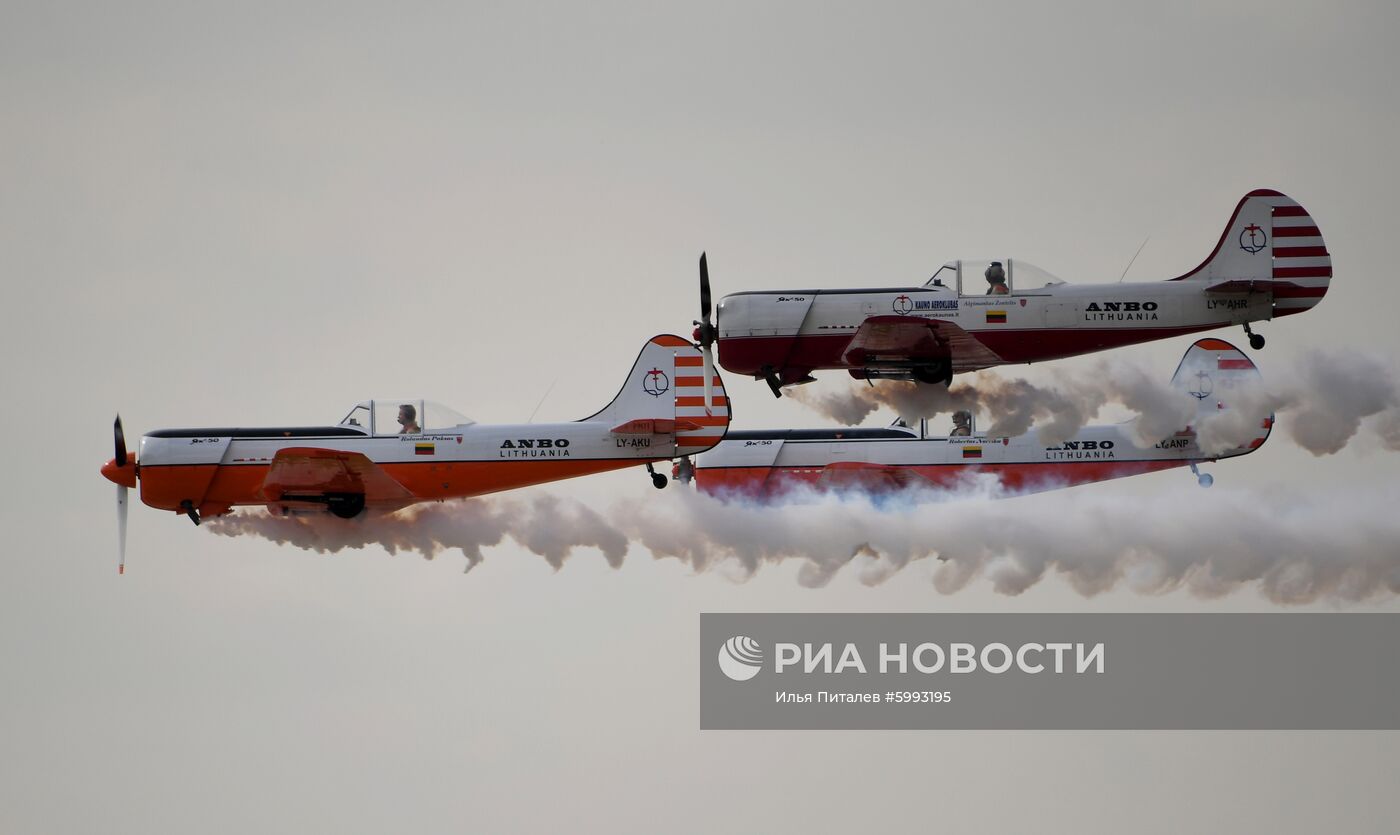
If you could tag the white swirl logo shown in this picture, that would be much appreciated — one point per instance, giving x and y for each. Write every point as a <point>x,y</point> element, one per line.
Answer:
<point>741,658</point>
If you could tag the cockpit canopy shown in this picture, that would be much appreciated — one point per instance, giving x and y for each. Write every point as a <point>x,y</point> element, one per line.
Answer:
<point>419,417</point>
<point>971,277</point>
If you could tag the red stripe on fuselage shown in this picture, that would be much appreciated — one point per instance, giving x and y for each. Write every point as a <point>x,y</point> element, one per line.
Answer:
<point>748,355</point>
<point>165,487</point>
<point>775,482</point>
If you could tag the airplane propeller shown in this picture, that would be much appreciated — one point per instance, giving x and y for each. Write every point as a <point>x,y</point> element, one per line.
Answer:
<point>706,332</point>
<point>120,439</point>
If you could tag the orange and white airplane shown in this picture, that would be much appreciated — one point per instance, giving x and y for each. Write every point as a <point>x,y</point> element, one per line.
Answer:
<point>1270,261</point>
<point>776,464</point>
<point>387,454</point>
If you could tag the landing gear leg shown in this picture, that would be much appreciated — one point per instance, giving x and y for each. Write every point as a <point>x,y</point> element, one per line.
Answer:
<point>657,479</point>
<point>1203,479</point>
<point>187,507</point>
<point>1256,340</point>
<point>774,383</point>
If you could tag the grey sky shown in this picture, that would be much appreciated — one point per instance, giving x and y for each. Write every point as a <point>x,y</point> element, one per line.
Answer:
<point>261,215</point>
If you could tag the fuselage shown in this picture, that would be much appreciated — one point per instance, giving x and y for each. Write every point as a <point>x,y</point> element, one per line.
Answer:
<point>387,454</point>
<point>216,469</point>
<point>795,332</point>
<point>773,464</point>
<point>1270,261</point>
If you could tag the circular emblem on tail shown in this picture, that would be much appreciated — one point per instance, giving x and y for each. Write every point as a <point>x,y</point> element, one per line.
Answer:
<point>656,383</point>
<point>741,658</point>
<point>1252,238</point>
<point>1203,387</point>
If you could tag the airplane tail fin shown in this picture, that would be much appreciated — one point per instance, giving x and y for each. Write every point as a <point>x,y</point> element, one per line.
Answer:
<point>1270,245</point>
<point>665,395</point>
<point>1217,373</point>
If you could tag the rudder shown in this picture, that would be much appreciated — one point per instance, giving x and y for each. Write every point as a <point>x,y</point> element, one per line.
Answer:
<point>1218,374</point>
<point>1271,239</point>
<point>667,383</point>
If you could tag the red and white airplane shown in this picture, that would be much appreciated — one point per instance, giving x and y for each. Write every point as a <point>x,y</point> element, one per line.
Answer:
<point>769,464</point>
<point>387,454</point>
<point>1271,261</point>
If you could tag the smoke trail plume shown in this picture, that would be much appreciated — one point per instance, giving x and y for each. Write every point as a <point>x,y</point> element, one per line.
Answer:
<point>1295,549</point>
<point>544,524</point>
<point>1322,402</point>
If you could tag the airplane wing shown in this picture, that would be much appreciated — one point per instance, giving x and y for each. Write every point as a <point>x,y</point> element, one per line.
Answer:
<point>311,470</point>
<point>1243,285</point>
<point>879,478</point>
<point>884,339</point>
<point>1279,289</point>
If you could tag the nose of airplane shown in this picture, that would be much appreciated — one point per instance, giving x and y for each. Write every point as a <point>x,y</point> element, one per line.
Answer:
<point>122,474</point>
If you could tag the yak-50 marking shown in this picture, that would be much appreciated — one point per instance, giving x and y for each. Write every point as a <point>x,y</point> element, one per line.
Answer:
<point>1270,261</point>
<point>386,455</point>
<point>770,464</point>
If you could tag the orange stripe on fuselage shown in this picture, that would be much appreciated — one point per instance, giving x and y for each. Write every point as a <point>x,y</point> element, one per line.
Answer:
<point>166,487</point>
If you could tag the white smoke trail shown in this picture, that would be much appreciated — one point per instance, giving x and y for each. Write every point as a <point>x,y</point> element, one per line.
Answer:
<point>1294,549</point>
<point>1322,403</point>
<point>1057,411</point>
<point>544,524</point>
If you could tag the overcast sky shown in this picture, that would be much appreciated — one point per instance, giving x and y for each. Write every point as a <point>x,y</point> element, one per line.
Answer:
<point>260,215</point>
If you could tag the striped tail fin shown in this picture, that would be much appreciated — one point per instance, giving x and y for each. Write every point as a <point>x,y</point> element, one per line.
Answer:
<point>1271,244</point>
<point>665,394</point>
<point>1217,374</point>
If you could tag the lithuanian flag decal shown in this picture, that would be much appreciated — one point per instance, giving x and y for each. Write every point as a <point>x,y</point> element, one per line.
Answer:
<point>424,449</point>
<point>996,317</point>
<point>972,452</point>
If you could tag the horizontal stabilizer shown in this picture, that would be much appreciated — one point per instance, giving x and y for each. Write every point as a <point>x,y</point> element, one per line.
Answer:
<point>654,426</point>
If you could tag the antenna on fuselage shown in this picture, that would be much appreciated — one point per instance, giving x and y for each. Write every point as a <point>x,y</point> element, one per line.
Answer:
<point>531,419</point>
<point>1134,258</point>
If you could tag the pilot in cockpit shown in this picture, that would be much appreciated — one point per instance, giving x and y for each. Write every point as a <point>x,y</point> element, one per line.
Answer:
<point>962,424</point>
<point>996,280</point>
<point>408,419</point>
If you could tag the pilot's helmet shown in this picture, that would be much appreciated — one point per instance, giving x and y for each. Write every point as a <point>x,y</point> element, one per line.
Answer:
<point>995,274</point>
<point>962,417</point>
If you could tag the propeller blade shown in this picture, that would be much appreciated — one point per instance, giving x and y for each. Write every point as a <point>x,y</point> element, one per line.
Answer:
<point>120,437</point>
<point>704,290</point>
<point>121,528</point>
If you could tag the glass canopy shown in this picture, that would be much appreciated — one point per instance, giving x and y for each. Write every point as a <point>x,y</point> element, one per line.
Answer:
<point>973,276</point>
<point>404,416</point>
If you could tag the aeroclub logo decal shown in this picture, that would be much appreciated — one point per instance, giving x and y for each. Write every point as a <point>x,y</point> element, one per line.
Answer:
<point>656,383</point>
<point>903,304</point>
<point>1203,387</point>
<point>740,658</point>
<point>1252,238</point>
